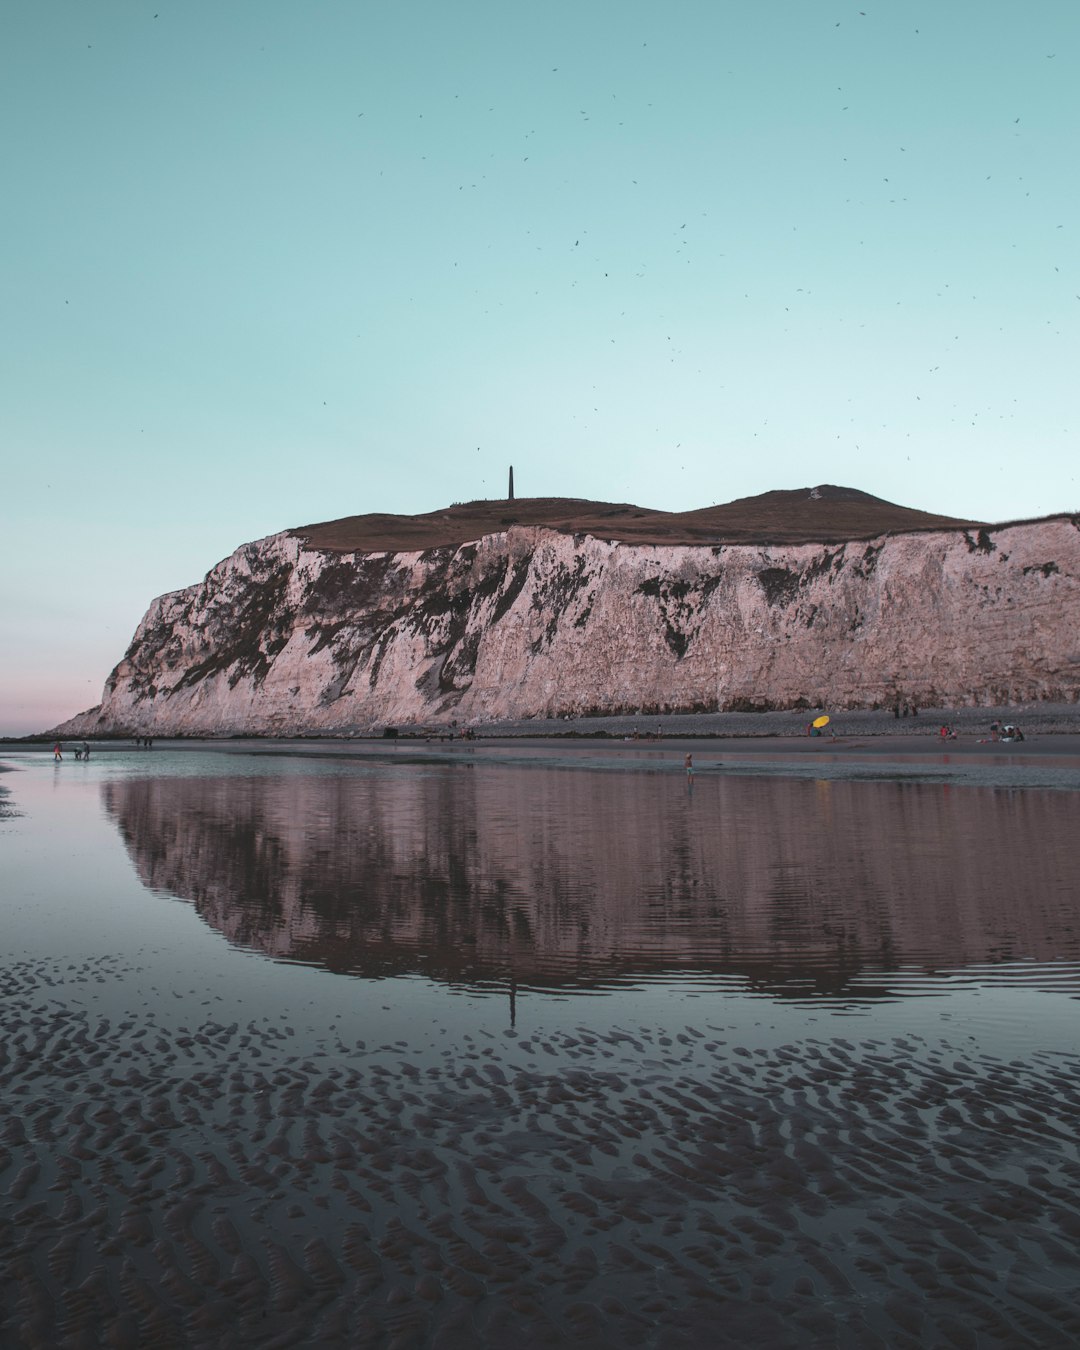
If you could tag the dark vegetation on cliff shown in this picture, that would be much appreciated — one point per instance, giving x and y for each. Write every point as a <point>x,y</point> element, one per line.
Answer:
<point>823,514</point>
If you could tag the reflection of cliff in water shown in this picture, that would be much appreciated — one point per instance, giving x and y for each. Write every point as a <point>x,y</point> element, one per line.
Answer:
<point>565,877</point>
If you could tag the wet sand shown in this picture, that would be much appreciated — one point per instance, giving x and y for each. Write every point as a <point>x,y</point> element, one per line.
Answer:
<point>218,1185</point>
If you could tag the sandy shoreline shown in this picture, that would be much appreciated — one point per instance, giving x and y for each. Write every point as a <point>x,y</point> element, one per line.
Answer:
<point>659,1187</point>
<point>1036,720</point>
<point>854,746</point>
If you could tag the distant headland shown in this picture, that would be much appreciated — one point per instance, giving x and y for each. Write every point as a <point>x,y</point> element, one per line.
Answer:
<point>552,607</point>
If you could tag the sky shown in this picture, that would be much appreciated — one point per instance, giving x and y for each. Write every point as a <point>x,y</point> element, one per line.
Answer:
<point>271,262</point>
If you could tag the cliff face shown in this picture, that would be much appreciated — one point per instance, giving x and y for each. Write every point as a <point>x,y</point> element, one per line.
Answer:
<point>286,638</point>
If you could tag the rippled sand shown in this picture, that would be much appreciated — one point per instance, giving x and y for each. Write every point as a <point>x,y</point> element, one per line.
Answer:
<point>216,1186</point>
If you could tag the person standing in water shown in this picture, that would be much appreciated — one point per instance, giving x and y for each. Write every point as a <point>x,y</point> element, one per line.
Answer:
<point>689,762</point>
<point>57,752</point>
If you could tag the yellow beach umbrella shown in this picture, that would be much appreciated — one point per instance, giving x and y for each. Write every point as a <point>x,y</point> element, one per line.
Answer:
<point>821,721</point>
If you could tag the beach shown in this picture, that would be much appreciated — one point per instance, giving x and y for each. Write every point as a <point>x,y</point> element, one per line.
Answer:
<point>305,1045</point>
<point>970,723</point>
<point>649,1186</point>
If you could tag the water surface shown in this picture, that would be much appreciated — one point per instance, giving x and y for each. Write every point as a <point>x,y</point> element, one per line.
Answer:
<point>433,1054</point>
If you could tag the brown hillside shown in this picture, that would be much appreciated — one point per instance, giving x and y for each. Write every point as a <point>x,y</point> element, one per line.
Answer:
<point>832,514</point>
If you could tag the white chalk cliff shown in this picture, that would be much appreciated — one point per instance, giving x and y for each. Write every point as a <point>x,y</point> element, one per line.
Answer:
<point>284,637</point>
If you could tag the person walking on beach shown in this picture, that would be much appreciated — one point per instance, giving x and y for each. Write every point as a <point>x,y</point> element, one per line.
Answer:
<point>689,762</point>
<point>86,749</point>
<point>57,752</point>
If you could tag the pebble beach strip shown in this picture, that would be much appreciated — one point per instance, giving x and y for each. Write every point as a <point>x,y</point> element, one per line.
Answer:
<point>1035,719</point>
<point>216,1185</point>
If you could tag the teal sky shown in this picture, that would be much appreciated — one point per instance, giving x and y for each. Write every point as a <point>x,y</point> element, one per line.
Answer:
<point>268,263</point>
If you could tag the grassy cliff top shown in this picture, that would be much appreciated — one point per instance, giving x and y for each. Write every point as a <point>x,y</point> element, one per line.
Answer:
<point>804,515</point>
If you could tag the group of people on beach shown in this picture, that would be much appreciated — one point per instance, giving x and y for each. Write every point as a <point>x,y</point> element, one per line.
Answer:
<point>81,751</point>
<point>999,731</point>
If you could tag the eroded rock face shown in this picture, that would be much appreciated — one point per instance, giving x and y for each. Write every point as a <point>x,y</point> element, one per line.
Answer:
<point>283,639</point>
